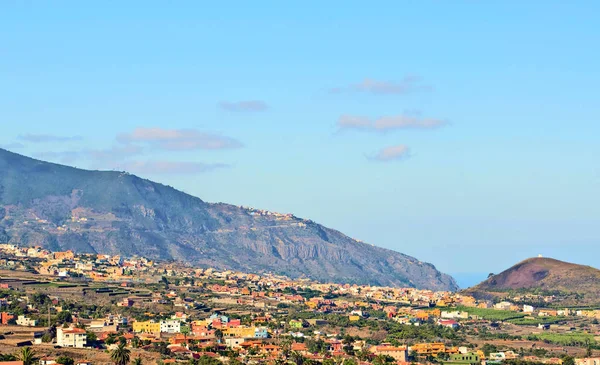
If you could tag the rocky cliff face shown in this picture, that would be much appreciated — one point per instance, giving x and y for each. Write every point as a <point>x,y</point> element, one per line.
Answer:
<point>117,213</point>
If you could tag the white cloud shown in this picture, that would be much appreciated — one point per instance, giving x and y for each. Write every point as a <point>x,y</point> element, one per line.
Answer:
<point>383,124</point>
<point>244,106</point>
<point>179,139</point>
<point>392,153</point>
<point>407,85</point>
<point>115,152</point>
<point>354,122</point>
<point>41,138</point>
<point>167,167</point>
<point>12,146</point>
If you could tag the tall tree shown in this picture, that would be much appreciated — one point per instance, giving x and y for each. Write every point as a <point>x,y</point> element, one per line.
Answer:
<point>28,356</point>
<point>120,355</point>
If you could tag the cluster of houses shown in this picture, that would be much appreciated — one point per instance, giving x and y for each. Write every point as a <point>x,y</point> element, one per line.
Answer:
<point>193,337</point>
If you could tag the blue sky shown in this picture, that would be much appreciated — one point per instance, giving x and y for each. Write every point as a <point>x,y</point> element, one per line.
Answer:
<point>463,133</point>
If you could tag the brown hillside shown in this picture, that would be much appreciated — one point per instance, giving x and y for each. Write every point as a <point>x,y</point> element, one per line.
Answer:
<point>545,274</point>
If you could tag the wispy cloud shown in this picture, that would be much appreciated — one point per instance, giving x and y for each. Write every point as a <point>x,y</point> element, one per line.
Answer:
<point>407,85</point>
<point>41,138</point>
<point>168,167</point>
<point>115,152</point>
<point>392,153</point>
<point>12,146</point>
<point>179,139</point>
<point>382,124</point>
<point>244,106</point>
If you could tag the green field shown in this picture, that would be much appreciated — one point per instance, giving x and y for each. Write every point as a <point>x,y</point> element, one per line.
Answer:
<point>536,321</point>
<point>492,314</point>
<point>55,285</point>
<point>565,339</point>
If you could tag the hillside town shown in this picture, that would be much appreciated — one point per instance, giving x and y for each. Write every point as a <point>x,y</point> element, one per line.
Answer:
<point>68,308</point>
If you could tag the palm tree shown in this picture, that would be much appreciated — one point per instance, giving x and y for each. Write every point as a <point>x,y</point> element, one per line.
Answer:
<point>297,358</point>
<point>28,356</point>
<point>338,360</point>
<point>137,361</point>
<point>7,357</point>
<point>219,335</point>
<point>286,347</point>
<point>380,360</point>
<point>120,355</point>
<point>185,331</point>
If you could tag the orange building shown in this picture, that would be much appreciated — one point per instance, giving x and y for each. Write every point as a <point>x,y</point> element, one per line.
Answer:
<point>433,349</point>
<point>66,255</point>
<point>5,317</point>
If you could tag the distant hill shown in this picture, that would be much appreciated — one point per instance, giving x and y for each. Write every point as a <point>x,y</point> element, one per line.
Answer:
<point>61,207</point>
<point>544,275</point>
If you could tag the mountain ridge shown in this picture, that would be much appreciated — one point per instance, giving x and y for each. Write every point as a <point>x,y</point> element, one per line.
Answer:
<point>62,207</point>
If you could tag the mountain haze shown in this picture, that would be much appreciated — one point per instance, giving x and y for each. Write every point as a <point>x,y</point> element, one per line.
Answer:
<point>61,207</point>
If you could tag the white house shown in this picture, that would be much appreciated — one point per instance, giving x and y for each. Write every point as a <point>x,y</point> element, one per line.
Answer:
<point>71,337</point>
<point>27,322</point>
<point>170,326</point>
<point>454,315</point>
<point>503,305</point>
<point>234,342</point>
<point>528,308</point>
<point>564,312</point>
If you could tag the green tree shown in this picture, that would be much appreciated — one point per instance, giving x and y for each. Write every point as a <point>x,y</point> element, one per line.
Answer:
<point>383,359</point>
<point>137,361</point>
<point>588,348</point>
<point>297,358</point>
<point>489,348</point>
<point>65,317</point>
<point>185,331</point>
<point>111,339</point>
<point>219,335</point>
<point>91,336</point>
<point>568,360</point>
<point>28,356</point>
<point>120,355</point>
<point>207,360</point>
<point>47,337</point>
<point>65,360</point>
<point>443,356</point>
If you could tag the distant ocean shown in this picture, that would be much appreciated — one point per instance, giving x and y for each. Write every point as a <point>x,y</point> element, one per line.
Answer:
<point>468,279</point>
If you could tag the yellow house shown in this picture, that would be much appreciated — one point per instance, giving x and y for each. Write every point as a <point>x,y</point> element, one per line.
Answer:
<point>147,327</point>
<point>354,318</point>
<point>312,305</point>
<point>422,315</point>
<point>243,332</point>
